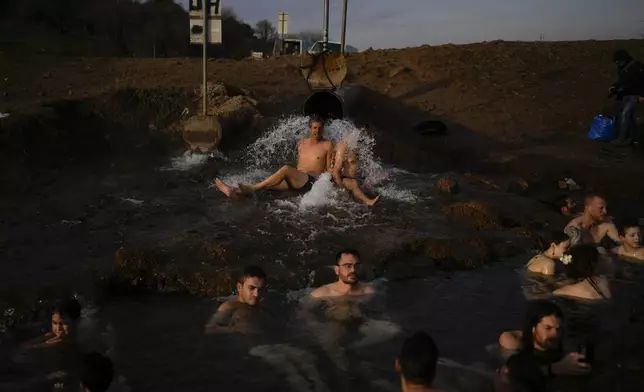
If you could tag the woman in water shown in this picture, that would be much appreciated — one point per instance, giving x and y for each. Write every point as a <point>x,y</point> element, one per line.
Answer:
<point>580,264</point>
<point>545,262</point>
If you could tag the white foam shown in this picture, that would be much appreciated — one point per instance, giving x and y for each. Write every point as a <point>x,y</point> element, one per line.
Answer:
<point>186,161</point>
<point>323,193</point>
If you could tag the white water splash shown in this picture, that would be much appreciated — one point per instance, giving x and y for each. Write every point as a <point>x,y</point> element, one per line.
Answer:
<point>186,161</point>
<point>323,193</point>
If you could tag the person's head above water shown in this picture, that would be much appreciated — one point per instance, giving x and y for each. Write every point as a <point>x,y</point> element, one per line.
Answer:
<point>250,285</point>
<point>543,327</point>
<point>417,360</point>
<point>565,205</point>
<point>580,261</point>
<point>595,207</point>
<point>630,234</point>
<point>347,264</point>
<point>316,127</point>
<point>555,244</point>
<point>64,317</point>
<point>97,373</point>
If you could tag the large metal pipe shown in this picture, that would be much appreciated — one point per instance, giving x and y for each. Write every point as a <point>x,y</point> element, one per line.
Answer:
<point>325,28</point>
<point>344,26</point>
<point>332,104</point>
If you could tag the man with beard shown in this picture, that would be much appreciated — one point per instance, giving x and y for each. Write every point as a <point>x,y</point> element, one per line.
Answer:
<point>347,264</point>
<point>539,348</point>
<point>239,313</point>
<point>314,158</point>
<point>593,225</point>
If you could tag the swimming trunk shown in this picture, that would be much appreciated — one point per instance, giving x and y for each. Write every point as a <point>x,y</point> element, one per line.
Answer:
<point>304,188</point>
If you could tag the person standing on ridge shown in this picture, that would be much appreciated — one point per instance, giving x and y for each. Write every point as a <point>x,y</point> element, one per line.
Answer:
<point>629,88</point>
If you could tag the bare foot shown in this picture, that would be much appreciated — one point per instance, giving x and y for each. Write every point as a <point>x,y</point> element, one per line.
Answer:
<point>373,201</point>
<point>225,189</point>
<point>246,189</point>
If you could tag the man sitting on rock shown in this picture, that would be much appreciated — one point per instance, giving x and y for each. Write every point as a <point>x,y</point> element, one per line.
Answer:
<point>314,158</point>
<point>345,167</point>
<point>593,225</point>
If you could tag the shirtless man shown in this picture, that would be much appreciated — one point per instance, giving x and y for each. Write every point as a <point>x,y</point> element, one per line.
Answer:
<point>346,266</point>
<point>314,158</point>
<point>235,314</point>
<point>593,225</point>
<point>345,169</point>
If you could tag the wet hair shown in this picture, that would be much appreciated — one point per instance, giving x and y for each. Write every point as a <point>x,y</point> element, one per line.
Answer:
<point>418,357</point>
<point>621,55</point>
<point>625,225</point>
<point>69,308</point>
<point>584,261</point>
<point>556,237</point>
<point>347,251</point>
<point>315,119</point>
<point>535,312</point>
<point>252,271</point>
<point>97,372</point>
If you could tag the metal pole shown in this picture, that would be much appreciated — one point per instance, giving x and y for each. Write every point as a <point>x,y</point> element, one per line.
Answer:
<point>325,31</point>
<point>205,57</point>
<point>283,15</point>
<point>344,26</point>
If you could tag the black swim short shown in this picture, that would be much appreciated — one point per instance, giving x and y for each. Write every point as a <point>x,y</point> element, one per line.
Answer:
<point>304,188</point>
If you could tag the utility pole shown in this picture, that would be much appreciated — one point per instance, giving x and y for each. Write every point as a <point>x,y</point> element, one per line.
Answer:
<point>344,26</point>
<point>325,37</point>
<point>205,56</point>
<point>283,29</point>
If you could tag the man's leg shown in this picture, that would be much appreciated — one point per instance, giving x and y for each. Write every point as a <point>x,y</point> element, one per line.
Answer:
<point>280,180</point>
<point>352,185</point>
<point>627,121</point>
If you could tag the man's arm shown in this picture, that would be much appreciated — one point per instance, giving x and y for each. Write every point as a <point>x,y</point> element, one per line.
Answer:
<point>337,166</point>
<point>221,321</point>
<point>329,157</point>
<point>612,233</point>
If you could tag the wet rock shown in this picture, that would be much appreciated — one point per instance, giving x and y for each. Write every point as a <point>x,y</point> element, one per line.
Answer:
<point>193,266</point>
<point>424,256</point>
<point>518,186</point>
<point>397,71</point>
<point>475,215</point>
<point>448,185</point>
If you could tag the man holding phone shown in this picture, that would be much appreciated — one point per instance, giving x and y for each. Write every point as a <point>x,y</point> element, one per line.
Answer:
<point>539,349</point>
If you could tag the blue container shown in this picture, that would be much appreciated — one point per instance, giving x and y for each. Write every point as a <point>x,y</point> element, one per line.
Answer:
<point>602,128</point>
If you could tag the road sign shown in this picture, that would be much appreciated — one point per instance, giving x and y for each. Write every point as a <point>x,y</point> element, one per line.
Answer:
<point>196,30</point>
<point>197,21</point>
<point>196,6</point>
<point>282,25</point>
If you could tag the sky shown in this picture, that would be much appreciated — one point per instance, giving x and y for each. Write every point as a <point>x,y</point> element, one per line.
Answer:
<point>403,23</point>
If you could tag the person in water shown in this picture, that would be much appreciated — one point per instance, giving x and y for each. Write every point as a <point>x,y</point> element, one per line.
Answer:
<point>416,363</point>
<point>581,264</point>
<point>539,350</point>
<point>63,324</point>
<point>545,262</point>
<point>630,236</point>
<point>314,158</point>
<point>233,314</point>
<point>565,205</point>
<point>345,167</point>
<point>593,225</point>
<point>347,264</point>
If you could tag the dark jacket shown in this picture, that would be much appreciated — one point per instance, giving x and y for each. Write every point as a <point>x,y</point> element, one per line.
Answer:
<point>631,79</point>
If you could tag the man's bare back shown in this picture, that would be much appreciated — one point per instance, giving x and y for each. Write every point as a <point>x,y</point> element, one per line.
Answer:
<point>345,172</point>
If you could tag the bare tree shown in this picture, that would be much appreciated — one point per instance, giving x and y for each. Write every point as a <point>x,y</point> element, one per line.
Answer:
<point>311,36</point>
<point>265,30</point>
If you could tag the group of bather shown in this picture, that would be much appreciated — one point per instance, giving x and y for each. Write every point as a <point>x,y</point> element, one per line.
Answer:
<point>315,156</point>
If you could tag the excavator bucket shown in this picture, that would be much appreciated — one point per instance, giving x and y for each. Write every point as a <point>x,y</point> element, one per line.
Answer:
<point>324,70</point>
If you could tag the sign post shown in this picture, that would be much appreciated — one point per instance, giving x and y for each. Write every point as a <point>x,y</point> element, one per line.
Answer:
<point>282,28</point>
<point>344,26</point>
<point>205,28</point>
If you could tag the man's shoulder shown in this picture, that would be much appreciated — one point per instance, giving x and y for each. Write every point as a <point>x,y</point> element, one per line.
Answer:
<point>368,289</point>
<point>321,292</point>
<point>228,305</point>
